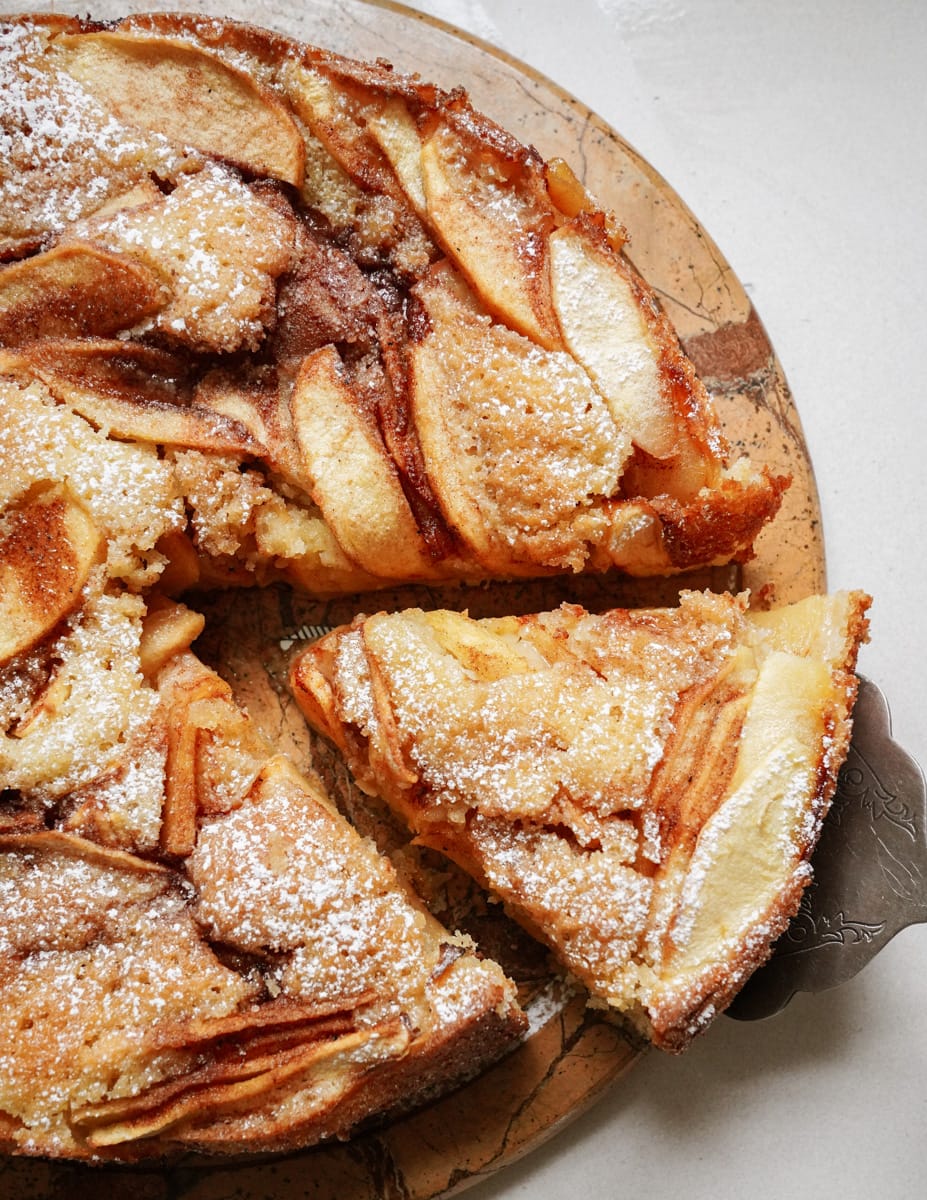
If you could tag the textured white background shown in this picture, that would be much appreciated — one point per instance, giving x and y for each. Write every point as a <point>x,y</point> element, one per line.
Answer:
<point>796,133</point>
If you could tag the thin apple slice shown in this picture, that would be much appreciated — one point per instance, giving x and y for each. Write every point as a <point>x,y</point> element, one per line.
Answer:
<point>572,198</point>
<point>520,448</point>
<point>201,691</point>
<point>76,289</point>
<point>329,114</point>
<point>191,96</point>
<point>236,1078</point>
<point>486,652</point>
<point>605,327</point>
<point>129,391</point>
<point>48,549</point>
<point>182,570</point>
<point>145,192</point>
<point>353,480</point>
<point>487,199</point>
<point>252,403</point>
<point>397,135</point>
<point>349,178</point>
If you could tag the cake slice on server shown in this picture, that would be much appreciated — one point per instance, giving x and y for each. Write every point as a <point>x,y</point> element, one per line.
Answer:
<point>641,789</point>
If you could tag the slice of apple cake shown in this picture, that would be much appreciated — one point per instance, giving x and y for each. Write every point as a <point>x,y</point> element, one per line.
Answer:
<point>642,789</point>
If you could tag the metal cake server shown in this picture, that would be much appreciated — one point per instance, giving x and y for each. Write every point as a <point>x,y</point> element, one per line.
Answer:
<point>870,870</point>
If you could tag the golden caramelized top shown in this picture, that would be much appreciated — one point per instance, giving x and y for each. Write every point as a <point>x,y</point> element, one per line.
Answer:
<point>641,788</point>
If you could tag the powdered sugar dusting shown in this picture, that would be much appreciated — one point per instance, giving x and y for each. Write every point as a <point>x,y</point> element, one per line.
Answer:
<point>530,750</point>
<point>102,954</point>
<point>274,877</point>
<point>129,492</point>
<point>100,703</point>
<point>219,246</point>
<point>533,443</point>
<point>61,154</point>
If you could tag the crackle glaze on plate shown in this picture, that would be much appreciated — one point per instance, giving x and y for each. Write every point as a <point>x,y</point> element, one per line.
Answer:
<point>571,1054</point>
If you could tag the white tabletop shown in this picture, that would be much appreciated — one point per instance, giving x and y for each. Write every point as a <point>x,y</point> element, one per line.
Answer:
<point>796,133</point>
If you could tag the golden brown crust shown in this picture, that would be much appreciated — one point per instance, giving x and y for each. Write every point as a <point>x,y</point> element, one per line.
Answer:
<point>706,529</point>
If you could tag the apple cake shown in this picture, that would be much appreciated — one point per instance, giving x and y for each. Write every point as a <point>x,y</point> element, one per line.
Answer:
<point>642,789</point>
<point>269,315</point>
<point>374,337</point>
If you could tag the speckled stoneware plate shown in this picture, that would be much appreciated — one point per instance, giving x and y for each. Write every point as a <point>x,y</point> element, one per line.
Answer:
<point>571,1055</point>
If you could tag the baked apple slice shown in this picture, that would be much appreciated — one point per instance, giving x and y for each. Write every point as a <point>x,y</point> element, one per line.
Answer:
<point>487,200</point>
<point>351,477</point>
<point>189,95</point>
<point>48,548</point>
<point>129,391</point>
<point>519,446</point>
<point>75,289</point>
<point>597,301</point>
